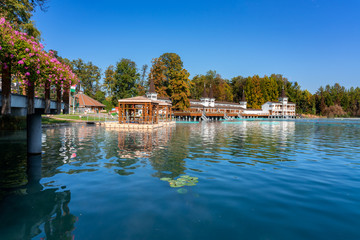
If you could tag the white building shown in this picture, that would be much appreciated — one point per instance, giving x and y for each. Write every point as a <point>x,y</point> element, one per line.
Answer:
<point>281,109</point>
<point>207,106</point>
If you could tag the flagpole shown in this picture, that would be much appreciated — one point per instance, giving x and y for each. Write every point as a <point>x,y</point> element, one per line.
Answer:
<point>73,104</point>
<point>69,100</point>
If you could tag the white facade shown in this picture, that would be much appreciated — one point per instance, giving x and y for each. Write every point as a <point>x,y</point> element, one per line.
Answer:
<point>151,95</point>
<point>205,101</point>
<point>279,109</point>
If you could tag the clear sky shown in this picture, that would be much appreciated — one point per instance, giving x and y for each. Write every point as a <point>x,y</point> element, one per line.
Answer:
<point>313,42</point>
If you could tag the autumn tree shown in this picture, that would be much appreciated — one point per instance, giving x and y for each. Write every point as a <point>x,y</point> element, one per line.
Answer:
<point>222,89</point>
<point>179,88</point>
<point>157,74</point>
<point>253,92</point>
<point>171,79</point>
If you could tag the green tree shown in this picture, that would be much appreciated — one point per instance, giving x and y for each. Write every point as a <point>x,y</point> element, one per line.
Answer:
<point>89,76</point>
<point>197,86</point>
<point>109,80</point>
<point>238,85</point>
<point>125,80</point>
<point>141,85</point>
<point>19,13</point>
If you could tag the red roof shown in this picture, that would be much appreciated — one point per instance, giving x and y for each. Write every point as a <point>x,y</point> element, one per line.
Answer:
<point>86,101</point>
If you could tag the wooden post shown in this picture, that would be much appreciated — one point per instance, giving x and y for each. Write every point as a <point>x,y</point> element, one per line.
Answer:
<point>119,112</point>
<point>47,96</point>
<point>58,99</point>
<point>6,89</point>
<point>151,113</point>
<point>133,110</point>
<point>157,114</point>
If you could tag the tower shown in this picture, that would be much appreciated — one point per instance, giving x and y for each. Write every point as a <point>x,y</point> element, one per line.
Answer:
<point>243,102</point>
<point>283,99</point>
<point>204,99</point>
<point>151,93</point>
<point>211,97</point>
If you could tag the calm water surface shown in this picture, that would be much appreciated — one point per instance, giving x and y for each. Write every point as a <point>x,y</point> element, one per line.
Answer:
<point>256,180</point>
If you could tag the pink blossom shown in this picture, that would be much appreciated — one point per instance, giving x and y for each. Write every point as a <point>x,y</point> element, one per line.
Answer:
<point>27,74</point>
<point>21,62</point>
<point>38,71</point>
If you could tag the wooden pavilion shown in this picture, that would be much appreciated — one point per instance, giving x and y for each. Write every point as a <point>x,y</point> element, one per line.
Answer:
<point>143,110</point>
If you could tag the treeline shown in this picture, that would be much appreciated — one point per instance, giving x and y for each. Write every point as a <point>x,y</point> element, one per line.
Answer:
<point>124,79</point>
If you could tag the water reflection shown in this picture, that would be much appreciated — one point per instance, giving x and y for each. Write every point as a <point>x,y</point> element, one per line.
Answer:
<point>135,147</point>
<point>119,171</point>
<point>169,149</point>
<point>29,210</point>
<point>169,161</point>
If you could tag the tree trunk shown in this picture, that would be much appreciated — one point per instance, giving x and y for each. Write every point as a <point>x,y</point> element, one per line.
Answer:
<point>6,89</point>
<point>47,97</point>
<point>58,99</point>
<point>31,98</point>
<point>66,100</point>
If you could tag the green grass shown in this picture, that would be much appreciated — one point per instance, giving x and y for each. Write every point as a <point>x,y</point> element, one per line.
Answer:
<point>83,117</point>
<point>74,117</point>
<point>52,121</point>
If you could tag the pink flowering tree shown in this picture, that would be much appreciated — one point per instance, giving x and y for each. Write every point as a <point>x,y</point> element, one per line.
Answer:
<point>26,58</point>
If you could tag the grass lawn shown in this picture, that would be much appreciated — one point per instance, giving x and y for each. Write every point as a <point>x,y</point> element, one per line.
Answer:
<point>51,121</point>
<point>83,117</point>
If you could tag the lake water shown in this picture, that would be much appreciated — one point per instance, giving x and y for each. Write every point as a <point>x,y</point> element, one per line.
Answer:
<point>255,180</point>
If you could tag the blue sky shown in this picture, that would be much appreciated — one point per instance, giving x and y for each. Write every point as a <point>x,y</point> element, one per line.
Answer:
<point>313,42</point>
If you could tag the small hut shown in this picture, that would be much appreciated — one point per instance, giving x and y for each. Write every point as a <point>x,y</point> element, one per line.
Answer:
<point>87,104</point>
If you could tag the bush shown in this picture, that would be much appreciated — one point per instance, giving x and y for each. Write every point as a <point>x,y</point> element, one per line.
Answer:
<point>334,111</point>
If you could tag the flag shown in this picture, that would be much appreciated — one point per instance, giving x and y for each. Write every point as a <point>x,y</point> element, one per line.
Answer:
<point>72,88</point>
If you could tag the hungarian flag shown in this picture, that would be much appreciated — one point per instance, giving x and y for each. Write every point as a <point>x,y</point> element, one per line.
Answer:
<point>72,88</point>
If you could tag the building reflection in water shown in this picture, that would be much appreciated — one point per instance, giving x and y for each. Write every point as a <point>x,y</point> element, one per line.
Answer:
<point>141,143</point>
<point>31,210</point>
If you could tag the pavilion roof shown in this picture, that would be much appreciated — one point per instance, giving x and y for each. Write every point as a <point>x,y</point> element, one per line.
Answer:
<point>138,99</point>
<point>143,99</point>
